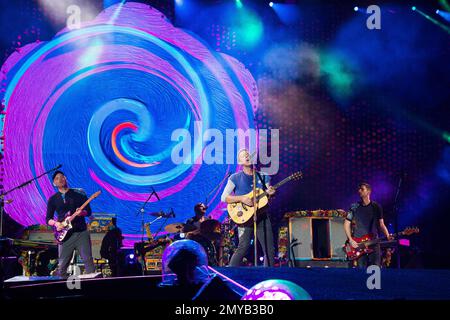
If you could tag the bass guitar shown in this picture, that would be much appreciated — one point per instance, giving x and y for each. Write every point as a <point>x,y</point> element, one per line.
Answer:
<point>63,234</point>
<point>366,243</point>
<point>241,213</point>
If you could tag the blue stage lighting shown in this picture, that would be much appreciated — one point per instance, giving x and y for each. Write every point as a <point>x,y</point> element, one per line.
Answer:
<point>413,8</point>
<point>356,8</point>
<point>443,14</point>
<point>271,4</point>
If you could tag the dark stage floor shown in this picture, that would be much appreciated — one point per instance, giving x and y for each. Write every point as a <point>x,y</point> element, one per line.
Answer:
<point>350,284</point>
<point>320,283</point>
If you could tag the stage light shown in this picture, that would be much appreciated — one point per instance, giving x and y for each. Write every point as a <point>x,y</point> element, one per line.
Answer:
<point>436,22</point>
<point>404,242</point>
<point>91,54</point>
<point>445,15</point>
<point>177,256</point>
<point>446,136</point>
<point>271,4</point>
<point>116,12</point>
<point>287,13</point>
<point>276,289</point>
<point>239,4</point>
<point>356,8</point>
<point>131,256</point>
<point>413,8</point>
<point>179,2</point>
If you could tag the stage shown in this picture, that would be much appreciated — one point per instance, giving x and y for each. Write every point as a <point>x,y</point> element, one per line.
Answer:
<point>320,283</point>
<point>180,134</point>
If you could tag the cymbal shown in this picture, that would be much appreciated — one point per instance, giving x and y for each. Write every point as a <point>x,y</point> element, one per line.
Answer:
<point>174,227</point>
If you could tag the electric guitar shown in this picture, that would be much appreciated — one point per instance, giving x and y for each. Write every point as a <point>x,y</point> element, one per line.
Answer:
<point>63,234</point>
<point>241,213</point>
<point>367,241</point>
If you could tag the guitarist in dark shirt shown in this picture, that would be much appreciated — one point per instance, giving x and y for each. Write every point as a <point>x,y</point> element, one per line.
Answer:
<point>366,217</point>
<point>69,200</point>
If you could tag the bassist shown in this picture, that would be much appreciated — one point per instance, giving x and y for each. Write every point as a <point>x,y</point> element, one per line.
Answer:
<point>366,216</point>
<point>70,199</point>
<point>240,184</point>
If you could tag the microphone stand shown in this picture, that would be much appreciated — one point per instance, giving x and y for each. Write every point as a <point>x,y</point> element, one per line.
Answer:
<point>395,211</point>
<point>142,212</point>
<point>216,187</point>
<point>255,203</point>
<point>292,260</point>
<point>3,194</point>
<point>166,216</point>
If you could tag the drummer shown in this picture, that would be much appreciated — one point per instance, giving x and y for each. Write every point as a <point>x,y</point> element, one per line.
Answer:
<point>195,221</point>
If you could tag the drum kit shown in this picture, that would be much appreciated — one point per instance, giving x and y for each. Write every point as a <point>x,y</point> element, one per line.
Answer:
<point>218,239</point>
<point>210,233</point>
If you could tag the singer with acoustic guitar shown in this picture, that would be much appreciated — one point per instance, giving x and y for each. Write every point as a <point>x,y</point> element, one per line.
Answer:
<point>241,183</point>
<point>70,200</point>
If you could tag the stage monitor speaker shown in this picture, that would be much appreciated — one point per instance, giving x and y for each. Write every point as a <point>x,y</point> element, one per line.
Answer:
<point>96,241</point>
<point>300,238</point>
<point>337,238</point>
<point>312,238</point>
<point>41,235</point>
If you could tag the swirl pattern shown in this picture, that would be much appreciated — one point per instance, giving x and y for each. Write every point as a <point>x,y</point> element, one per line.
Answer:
<point>104,100</point>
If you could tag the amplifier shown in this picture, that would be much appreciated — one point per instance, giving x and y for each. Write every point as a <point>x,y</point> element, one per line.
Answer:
<point>39,233</point>
<point>96,243</point>
<point>316,238</point>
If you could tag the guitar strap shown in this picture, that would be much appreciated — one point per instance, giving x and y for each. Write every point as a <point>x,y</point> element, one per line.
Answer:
<point>262,180</point>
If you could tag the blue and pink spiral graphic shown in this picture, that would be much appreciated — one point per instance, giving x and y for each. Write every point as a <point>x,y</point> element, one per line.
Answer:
<point>104,99</point>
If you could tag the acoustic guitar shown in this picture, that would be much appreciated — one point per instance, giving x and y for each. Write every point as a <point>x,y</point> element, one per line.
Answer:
<point>241,213</point>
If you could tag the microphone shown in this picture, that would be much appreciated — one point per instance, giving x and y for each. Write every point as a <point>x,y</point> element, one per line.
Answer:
<point>154,192</point>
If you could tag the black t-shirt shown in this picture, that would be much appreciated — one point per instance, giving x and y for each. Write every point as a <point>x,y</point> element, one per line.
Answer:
<point>365,218</point>
<point>68,202</point>
<point>194,221</point>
